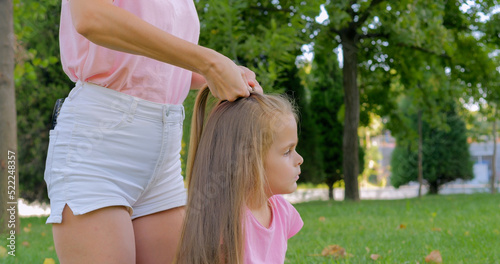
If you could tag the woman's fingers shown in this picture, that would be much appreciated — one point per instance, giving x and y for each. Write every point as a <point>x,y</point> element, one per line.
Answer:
<point>251,80</point>
<point>227,81</point>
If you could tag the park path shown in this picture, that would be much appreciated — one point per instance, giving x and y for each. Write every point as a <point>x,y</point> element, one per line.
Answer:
<point>382,193</point>
<point>305,195</point>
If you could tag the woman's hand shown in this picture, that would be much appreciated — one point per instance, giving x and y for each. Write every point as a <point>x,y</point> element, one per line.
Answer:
<point>250,79</point>
<point>104,24</point>
<point>227,81</point>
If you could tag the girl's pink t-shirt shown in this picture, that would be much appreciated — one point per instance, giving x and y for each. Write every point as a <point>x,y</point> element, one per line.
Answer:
<point>268,245</point>
<point>135,75</point>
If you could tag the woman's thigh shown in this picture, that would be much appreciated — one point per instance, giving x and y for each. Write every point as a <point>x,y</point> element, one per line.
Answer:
<point>101,236</point>
<point>157,236</point>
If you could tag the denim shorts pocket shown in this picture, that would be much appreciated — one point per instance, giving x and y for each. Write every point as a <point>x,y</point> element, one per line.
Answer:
<point>50,156</point>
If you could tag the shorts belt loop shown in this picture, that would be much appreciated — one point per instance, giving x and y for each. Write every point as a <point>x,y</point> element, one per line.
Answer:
<point>132,110</point>
<point>76,90</point>
<point>183,114</point>
<point>165,113</point>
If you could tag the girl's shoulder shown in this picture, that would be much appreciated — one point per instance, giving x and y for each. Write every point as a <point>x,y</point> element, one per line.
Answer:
<point>286,215</point>
<point>280,203</point>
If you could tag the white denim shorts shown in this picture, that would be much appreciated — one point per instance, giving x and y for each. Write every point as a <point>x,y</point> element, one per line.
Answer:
<point>112,149</point>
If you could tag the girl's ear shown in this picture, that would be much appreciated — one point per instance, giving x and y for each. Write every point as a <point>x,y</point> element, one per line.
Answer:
<point>196,128</point>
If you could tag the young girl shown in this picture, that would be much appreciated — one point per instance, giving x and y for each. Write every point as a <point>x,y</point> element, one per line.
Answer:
<point>239,163</point>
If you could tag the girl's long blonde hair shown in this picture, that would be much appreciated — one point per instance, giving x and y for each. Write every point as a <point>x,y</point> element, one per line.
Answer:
<point>225,174</point>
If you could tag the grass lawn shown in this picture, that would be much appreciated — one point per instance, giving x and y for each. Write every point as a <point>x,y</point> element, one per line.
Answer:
<point>464,228</point>
<point>33,245</point>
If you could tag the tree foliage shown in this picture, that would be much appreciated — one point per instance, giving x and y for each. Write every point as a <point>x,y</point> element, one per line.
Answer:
<point>267,38</point>
<point>399,38</point>
<point>39,81</point>
<point>324,82</point>
<point>445,154</point>
<point>426,49</point>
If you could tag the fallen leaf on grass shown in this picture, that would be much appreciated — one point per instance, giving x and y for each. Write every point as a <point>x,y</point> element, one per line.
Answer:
<point>401,226</point>
<point>322,219</point>
<point>375,256</point>
<point>437,229</point>
<point>43,234</point>
<point>26,243</point>
<point>333,250</point>
<point>49,261</point>
<point>466,233</point>
<point>434,257</point>
<point>26,229</point>
<point>367,250</point>
<point>3,252</point>
<point>51,248</point>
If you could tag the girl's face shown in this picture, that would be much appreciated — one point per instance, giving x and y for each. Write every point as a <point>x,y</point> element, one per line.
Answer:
<point>282,163</point>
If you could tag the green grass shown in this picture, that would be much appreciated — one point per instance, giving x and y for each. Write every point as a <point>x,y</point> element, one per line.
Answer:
<point>464,228</point>
<point>34,243</point>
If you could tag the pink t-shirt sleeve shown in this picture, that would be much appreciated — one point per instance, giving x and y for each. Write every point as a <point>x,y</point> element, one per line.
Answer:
<point>269,244</point>
<point>294,220</point>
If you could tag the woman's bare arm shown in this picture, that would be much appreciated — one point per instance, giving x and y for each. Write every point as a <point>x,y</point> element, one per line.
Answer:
<point>112,27</point>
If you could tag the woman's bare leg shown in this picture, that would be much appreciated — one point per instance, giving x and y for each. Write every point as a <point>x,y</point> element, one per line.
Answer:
<point>102,236</point>
<point>157,236</point>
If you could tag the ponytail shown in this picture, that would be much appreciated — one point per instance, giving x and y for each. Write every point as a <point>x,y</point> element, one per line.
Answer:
<point>197,123</point>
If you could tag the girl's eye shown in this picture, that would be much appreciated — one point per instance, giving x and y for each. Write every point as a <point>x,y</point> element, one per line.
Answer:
<point>287,153</point>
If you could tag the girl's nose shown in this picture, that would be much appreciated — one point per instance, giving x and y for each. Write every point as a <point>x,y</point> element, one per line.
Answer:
<point>301,160</point>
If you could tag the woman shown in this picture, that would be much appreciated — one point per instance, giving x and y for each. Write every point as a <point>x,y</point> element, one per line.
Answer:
<point>113,164</point>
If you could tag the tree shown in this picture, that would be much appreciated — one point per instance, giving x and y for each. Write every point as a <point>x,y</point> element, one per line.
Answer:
<point>326,103</point>
<point>492,38</point>
<point>372,33</point>
<point>267,38</point>
<point>324,80</point>
<point>8,131</point>
<point>445,154</point>
<point>39,81</point>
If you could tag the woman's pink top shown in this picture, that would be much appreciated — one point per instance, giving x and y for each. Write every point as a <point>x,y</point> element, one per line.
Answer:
<point>132,74</point>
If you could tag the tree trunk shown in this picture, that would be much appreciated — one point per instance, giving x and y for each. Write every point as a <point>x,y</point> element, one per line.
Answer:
<point>330,182</point>
<point>9,181</point>
<point>493,162</point>
<point>420,169</point>
<point>330,192</point>
<point>351,120</point>
<point>434,188</point>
